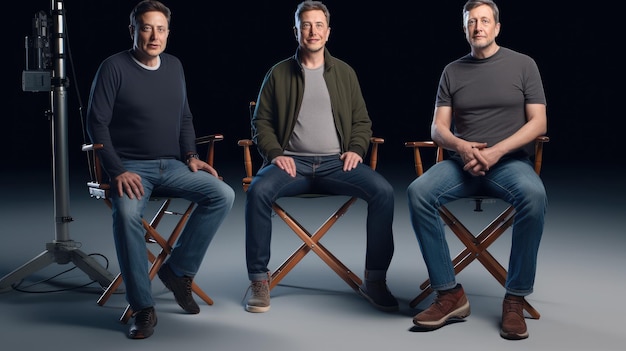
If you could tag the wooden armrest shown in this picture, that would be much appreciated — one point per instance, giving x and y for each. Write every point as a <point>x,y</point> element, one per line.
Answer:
<point>247,157</point>
<point>419,169</point>
<point>247,161</point>
<point>245,142</point>
<point>375,141</point>
<point>539,141</point>
<point>417,154</point>
<point>211,140</point>
<point>420,144</point>
<point>97,186</point>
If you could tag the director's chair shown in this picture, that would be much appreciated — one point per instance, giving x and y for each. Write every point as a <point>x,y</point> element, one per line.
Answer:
<point>476,245</point>
<point>311,241</point>
<point>99,189</point>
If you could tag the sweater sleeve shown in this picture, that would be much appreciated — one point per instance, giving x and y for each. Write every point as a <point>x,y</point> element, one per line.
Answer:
<point>99,116</point>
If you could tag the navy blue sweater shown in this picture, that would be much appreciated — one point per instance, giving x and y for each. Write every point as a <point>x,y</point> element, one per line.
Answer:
<point>138,113</point>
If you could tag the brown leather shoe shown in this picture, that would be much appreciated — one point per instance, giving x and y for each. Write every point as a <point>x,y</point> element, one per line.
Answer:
<point>513,322</point>
<point>448,304</point>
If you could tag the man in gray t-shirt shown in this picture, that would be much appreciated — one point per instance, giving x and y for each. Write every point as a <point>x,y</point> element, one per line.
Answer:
<point>490,107</point>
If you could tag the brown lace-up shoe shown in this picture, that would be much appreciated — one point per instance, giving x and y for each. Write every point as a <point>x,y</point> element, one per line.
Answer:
<point>447,305</point>
<point>513,322</point>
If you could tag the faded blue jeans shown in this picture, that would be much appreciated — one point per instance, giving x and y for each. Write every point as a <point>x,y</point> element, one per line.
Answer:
<point>169,177</point>
<point>324,175</point>
<point>512,180</point>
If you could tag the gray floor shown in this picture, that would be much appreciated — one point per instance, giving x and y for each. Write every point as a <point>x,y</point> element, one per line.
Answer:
<point>579,288</point>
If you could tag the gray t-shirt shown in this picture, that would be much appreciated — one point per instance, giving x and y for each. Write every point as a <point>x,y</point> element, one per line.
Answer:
<point>314,132</point>
<point>488,96</point>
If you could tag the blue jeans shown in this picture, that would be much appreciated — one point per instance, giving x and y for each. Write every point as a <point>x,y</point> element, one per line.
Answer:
<point>323,175</point>
<point>169,177</point>
<point>512,180</point>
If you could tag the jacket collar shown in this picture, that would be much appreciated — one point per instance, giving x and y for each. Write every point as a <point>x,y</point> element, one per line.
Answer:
<point>329,61</point>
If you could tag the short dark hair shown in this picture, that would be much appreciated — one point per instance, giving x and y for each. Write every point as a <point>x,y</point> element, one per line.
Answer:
<point>147,6</point>
<point>309,5</point>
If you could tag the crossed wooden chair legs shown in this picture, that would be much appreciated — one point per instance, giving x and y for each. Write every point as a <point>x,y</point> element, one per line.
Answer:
<point>311,242</point>
<point>476,249</point>
<point>152,236</point>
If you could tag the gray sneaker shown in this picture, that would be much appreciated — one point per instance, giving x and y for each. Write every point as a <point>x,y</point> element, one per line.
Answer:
<point>259,301</point>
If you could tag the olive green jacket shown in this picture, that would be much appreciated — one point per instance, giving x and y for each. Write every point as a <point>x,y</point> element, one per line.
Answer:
<point>280,98</point>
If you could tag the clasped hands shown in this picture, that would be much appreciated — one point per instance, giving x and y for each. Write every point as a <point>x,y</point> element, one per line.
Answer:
<point>478,158</point>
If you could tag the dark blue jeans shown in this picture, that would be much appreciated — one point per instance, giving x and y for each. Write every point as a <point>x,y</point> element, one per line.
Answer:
<point>214,199</point>
<point>322,175</point>
<point>512,180</point>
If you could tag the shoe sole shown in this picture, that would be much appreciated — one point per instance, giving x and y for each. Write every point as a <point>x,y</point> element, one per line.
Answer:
<point>513,336</point>
<point>459,313</point>
<point>257,309</point>
<point>139,336</point>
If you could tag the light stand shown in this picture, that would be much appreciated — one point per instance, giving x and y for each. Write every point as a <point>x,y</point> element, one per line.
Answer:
<point>63,249</point>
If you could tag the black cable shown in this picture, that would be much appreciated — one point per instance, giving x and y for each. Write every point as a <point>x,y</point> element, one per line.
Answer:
<point>78,95</point>
<point>18,286</point>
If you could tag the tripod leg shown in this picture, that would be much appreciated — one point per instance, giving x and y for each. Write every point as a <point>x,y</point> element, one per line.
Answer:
<point>42,260</point>
<point>93,269</point>
<point>63,249</point>
<point>62,255</point>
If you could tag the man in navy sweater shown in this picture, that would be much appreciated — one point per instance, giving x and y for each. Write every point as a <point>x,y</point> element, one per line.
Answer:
<point>138,110</point>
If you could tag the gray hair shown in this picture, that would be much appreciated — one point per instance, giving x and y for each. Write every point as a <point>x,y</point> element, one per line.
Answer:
<point>472,4</point>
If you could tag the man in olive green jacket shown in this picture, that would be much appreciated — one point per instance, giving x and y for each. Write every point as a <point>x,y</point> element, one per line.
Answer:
<point>273,122</point>
<point>313,138</point>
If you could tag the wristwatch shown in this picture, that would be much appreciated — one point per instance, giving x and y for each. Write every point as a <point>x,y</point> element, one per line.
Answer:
<point>190,156</point>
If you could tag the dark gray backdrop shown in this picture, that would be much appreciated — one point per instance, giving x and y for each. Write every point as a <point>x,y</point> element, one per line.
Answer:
<point>398,49</point>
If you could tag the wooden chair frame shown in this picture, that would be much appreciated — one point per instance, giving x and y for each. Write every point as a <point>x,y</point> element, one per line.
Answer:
<point>99,189</point>
<point>311,241</point>
<point>475,244</point>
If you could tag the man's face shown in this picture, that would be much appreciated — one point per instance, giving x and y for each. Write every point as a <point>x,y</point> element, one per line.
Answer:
<point>480,27</point>
<point>312,31</point>
<point>150,36</point>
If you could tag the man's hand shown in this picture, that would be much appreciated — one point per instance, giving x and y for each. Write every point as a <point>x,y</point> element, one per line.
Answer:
<point>285,163</point>
<point>479,158</point>
<point>195,165</point>
<point>129,183</point>
<point>350,160</point>
<point>475,162</point>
